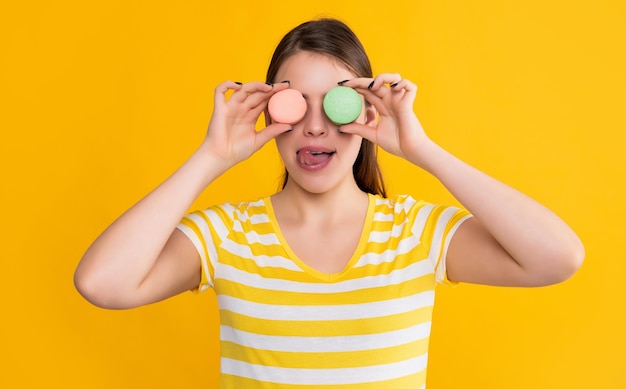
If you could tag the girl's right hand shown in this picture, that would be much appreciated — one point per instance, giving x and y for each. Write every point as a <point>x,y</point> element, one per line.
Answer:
<point>232,136</point>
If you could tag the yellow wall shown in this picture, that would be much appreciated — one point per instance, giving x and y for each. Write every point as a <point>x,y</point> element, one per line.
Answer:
<point>100,101</point>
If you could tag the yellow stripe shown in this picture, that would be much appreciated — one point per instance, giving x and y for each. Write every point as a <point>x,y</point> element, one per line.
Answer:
<point>374,294</point>
<point>248,265</point>
<point>204,280</point>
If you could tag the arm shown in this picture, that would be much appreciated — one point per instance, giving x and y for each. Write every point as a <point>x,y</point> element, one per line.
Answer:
<point>141,258</point>
<point>512,240</point>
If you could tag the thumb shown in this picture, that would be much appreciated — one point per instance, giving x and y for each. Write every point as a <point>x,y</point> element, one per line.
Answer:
<point>362,130</point>
<point>272,131</point>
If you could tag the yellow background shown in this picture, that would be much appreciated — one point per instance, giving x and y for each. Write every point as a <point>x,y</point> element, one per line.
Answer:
<point>101,101</point>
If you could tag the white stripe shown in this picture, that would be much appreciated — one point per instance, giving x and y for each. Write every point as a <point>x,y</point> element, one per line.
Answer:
<point>440,229</point>
<point>255,204</point>
<point>413,271</point>
<point>259,219</point>
<point>390,255</point>
<point>237,214</point>
<point>383,217</point>
<point>244,251</point>
<point>440,272</point>
<point>406,205</point>
<point>205,238</point>
<point>216,222</point>
<point>264,239</point>
<point>384,236</point>
<point>326,312</point>
<point>421,218</point>
<point>336,376</point>
<point>200,249</point>
<point>326,344</point>
<point>385,201</point>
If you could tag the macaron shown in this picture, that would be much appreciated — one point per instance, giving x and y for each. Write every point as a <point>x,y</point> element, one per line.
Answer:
<point>342,105</point>
<point>287,106</point>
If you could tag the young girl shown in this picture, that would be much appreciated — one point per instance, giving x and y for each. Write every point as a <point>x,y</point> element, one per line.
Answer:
<point>327,282</point>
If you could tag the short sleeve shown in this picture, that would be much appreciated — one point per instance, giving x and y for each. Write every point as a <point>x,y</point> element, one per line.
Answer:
<point>205,230</point>
<point>436,225</point>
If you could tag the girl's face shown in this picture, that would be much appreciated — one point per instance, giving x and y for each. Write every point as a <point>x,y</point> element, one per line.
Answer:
<point>317,156</point>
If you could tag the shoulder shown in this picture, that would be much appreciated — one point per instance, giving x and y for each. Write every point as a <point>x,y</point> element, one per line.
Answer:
<point>402,205</point>
<point>404,208</point>
<point>237,210</point>
<point>225,217</point>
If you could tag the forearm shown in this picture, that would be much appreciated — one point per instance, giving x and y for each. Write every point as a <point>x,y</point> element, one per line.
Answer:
<point>530,233</point>
<point>127,250</point>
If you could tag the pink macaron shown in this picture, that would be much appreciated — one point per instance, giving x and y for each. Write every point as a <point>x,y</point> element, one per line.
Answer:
<point>287,106</point>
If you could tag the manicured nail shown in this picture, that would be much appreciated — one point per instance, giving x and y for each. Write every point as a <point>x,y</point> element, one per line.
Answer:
<point>342,82</point>
<point>395,84</point>
<point>238,83</point>
<point>370,85</point>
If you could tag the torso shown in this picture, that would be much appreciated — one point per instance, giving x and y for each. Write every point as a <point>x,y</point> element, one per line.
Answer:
<point>282,322</point>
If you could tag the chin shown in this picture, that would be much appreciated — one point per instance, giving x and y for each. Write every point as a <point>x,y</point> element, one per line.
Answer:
<point>316,185</point>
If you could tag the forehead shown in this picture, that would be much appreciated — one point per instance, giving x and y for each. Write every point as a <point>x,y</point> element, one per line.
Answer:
<point>310,72</point>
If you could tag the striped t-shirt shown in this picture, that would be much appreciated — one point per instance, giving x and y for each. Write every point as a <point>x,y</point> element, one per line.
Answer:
<point>286,325</point>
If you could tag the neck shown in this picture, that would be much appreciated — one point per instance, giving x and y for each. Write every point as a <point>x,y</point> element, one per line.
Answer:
<point>297,204</point>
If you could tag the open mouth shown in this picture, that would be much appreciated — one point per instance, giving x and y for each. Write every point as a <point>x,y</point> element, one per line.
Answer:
<point>310,157</point>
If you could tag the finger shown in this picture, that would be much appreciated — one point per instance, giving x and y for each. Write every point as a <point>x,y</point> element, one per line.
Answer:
<point>260,99</point>
<point>255,112</point>
<point>409,88</point>
<point>378,87</point>
<point>373,83</point>
<point>250,88</point>
<point>223,88</point>
<point>374,99</point>
<point>272,131</point>
<point>403,91</point>
<point>384,79</point>
<point>362,130</point>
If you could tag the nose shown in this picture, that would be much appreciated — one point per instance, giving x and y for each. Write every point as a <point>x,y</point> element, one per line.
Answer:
<point>315,121</point>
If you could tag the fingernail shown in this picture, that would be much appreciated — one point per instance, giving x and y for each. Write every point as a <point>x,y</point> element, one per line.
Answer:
<point>370,85</point>
<point>270,84</point>
<point>286,82</point>
<point>393,85</point>
<point>342,82</point>
<point>238,83</point>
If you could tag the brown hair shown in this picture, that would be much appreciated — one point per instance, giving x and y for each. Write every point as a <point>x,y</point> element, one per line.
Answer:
<point>334,38</point>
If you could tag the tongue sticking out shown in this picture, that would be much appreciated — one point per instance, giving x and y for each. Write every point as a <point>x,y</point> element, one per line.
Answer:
<point>308,157</point>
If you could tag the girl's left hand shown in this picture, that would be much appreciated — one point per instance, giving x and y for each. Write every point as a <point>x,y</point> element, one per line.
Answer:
<point>398,131</point>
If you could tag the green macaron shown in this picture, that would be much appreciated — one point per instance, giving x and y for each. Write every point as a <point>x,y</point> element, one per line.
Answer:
<point>342,105</point>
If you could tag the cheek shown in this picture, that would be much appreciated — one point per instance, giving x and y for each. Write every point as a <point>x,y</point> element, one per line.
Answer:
<point>282,141</point>
<point>354,146</point>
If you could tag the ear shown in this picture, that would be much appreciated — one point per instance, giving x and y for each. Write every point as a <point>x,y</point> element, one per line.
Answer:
<point>371,115</point>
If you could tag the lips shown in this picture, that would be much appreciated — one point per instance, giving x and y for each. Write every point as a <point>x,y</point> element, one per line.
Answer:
<point>314,158</point>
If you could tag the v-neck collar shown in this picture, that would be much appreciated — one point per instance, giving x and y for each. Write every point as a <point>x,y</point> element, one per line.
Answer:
<point>327,277</point>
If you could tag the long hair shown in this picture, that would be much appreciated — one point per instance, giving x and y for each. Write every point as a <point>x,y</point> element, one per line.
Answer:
<point>334,38</point>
